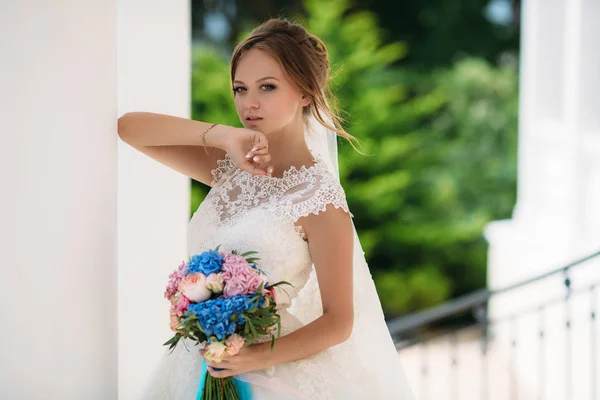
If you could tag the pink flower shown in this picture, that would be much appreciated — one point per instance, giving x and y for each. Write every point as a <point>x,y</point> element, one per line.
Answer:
<point>175,298</point>
<point>239,276</point>
<point>215,351</point>
<point>233,259</point>
<point>202,346</point>
<point>174,278</point>
<point>193,286</point>
<point>182,305</point>
<point>234,343</point>
<point>174,321</point>
<point>270,291</point>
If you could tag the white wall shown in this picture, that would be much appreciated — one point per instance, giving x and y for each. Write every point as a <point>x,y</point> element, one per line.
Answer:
<point>59,196</point>
<point>153,75</point>
<point>61,91</point>
<point>557,216</point>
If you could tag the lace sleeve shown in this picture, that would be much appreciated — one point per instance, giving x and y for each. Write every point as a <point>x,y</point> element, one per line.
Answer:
<point>313,196</point>
<point>223,166</point>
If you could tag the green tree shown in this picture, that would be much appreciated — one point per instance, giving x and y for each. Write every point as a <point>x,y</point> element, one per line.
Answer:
<point>442,153</point>
<point>435,31</point>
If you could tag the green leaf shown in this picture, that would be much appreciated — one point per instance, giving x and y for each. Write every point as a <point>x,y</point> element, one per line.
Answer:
<point>281,283</point>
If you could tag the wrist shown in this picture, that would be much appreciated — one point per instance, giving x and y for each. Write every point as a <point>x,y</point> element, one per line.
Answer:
<point>265,354</point>
<point>217,136</point>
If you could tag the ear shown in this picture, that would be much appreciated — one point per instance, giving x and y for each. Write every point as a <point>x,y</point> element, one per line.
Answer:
<point>304,101</point>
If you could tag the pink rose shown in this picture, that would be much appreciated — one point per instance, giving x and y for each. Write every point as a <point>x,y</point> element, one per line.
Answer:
<point>271,292</point>
<point>182,305</point>
<point>193,286</point>
<point>215,351</point>
<point>174,321</point>
<point>234,344</point>
<point>215,283</point>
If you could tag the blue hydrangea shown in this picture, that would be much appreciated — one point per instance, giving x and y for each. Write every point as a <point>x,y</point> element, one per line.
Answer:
<point>206,263</point>
<point>214,315</point>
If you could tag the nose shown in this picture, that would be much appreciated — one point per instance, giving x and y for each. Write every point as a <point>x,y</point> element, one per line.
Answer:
<point>251,101</point>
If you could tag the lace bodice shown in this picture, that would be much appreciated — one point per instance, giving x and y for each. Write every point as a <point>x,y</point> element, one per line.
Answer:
<point>253,212</point>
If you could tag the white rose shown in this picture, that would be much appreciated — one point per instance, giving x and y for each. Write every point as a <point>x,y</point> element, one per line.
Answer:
<point>215,283</point>
<point>215,351</point>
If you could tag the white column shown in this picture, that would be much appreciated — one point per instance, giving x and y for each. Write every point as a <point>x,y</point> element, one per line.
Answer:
<point>556,220</point>
<point>154,206</point>
<point>59,200</point>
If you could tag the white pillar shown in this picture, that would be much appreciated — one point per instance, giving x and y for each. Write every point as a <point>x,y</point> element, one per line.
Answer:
<point>154,201</point>
<point>556,219</point>
<point>59,200</point>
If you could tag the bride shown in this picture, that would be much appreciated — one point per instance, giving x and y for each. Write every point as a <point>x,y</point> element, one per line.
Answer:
<point>275,189</point>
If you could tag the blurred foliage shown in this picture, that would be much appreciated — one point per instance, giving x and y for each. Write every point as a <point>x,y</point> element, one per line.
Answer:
<point>442,146</point>
<point>434,31</point>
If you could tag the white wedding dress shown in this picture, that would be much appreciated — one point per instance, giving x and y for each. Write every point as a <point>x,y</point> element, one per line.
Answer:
<point>250,212</point>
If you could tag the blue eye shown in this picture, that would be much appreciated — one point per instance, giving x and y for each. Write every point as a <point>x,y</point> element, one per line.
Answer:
<point>239,89</point>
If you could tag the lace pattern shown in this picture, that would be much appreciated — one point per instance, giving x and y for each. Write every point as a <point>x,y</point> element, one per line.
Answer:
<point>222,167</point>
<point>300,192</point>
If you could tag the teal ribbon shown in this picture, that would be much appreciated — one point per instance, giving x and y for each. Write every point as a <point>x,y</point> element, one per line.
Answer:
<point>243,388</point>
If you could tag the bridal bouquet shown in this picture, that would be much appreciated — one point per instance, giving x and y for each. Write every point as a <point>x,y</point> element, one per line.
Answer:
<point>223,302</point>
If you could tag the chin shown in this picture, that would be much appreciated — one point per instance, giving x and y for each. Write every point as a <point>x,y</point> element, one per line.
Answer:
<point>252,127</point>
<point>263,129</point>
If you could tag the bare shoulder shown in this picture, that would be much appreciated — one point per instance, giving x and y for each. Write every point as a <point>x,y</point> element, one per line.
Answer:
<point>332,223</point>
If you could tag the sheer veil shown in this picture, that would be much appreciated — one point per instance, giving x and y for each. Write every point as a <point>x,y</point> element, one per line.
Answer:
<point>369,353</point>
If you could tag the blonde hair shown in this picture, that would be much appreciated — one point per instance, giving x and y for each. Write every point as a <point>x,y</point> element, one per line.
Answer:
<point>304,59</point>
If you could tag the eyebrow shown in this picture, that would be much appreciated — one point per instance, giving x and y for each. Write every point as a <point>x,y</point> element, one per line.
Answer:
<point>261,79</point>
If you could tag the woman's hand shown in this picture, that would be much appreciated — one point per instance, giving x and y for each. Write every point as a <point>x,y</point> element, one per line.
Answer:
<point>249,150</point>
<point>250,358</point>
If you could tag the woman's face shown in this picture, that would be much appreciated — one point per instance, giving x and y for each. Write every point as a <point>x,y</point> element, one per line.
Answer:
<point>261,90</point>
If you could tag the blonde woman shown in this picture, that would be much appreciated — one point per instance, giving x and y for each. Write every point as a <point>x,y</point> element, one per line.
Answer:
<point>275,189</point>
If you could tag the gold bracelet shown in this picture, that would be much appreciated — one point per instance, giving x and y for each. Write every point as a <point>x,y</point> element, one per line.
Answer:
<point>204,140</point>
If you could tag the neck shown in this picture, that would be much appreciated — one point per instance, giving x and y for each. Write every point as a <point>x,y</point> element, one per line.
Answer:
<point>288,148</point>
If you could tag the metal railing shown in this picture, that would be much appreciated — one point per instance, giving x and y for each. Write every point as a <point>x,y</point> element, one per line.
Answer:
<point>440,322</point>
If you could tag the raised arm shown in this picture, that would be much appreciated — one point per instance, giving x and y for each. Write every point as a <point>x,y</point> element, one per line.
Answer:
<point>177,143</point>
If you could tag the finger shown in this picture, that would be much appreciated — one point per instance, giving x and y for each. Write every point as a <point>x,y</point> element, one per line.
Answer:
<point>261,143</point>
<point>259,152</point>
<point>221,364</point>
<point>260,147</point>
<point>262,159</point>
